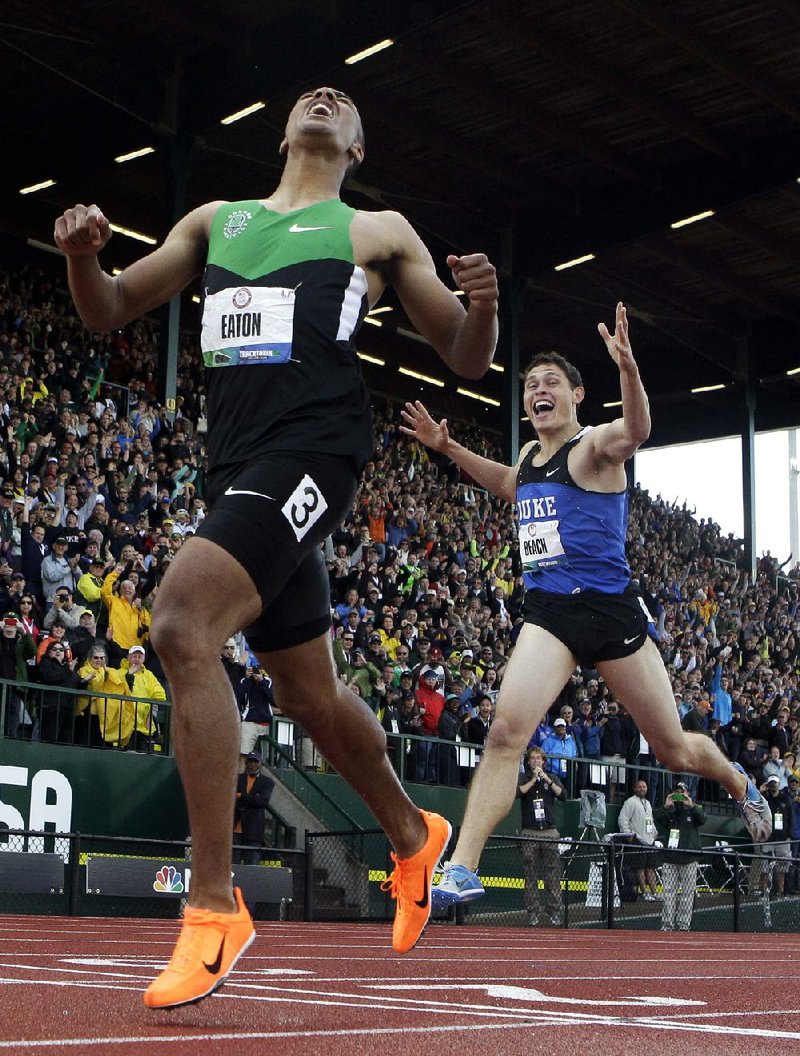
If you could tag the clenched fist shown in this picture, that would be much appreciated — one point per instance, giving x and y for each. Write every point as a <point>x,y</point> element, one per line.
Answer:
<point>82,231</point>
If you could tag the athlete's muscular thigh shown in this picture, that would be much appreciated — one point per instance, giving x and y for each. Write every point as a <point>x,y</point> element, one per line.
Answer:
<point>205,596</point>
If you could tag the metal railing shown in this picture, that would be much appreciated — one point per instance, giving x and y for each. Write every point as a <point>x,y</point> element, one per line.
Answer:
<point>59,715</point>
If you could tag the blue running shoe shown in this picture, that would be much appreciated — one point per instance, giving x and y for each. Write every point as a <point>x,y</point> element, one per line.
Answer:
<point>458,884</point>
<point>755,811</point>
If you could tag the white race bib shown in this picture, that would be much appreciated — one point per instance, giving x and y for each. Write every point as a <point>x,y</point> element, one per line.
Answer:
<point>248,325</point>
<point>540,545</point>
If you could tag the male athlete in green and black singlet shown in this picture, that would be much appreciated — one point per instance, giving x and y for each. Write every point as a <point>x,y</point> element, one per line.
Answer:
<point>287,282</point>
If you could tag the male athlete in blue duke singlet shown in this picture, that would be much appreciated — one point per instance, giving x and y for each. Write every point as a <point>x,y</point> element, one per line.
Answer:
<point>580,604</point>
<point>287,281</point>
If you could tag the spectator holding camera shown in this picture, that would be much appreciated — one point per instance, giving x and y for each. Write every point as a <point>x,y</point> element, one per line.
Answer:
<point>682,819</point>
<point>16,649</point>
<point>128,622</point>
<point>64,608</point>
<point>538,790</point>
<point>775,855</point>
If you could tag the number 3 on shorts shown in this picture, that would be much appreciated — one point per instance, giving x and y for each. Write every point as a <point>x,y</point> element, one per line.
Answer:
<point>304,507</point>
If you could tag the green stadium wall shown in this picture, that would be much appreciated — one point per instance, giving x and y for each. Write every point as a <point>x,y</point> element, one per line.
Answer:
<point>72,789</point>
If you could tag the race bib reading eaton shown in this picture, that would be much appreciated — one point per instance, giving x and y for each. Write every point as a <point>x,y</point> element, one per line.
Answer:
<point>248,325</point>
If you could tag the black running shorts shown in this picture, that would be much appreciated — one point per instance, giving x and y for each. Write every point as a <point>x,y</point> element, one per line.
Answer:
<point>271,516</point>
<point>593,626</point>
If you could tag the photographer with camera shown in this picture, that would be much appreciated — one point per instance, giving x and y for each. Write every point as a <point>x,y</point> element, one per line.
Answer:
<point>682,818</point>
<point>538,791</point>
<point>64,607</point>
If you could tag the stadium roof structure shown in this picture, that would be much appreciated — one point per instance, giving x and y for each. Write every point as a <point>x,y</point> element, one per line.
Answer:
<point>537,131</point>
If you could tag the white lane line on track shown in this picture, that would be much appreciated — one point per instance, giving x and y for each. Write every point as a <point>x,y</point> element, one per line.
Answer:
<point>534,1020</point>
<point>530,1016</point>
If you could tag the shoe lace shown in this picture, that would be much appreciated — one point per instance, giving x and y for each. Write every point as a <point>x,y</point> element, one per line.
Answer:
<point>189,947</point>
<point>394,881</point>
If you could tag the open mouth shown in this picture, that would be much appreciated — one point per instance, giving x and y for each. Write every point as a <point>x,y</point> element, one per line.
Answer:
<point>543,407</point>
<point>321,109</point>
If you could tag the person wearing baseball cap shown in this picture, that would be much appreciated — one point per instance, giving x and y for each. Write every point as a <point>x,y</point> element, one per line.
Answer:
<point>776,853</point>
<point>57,569</point>
<point>90,585</point>
<point>253,792</point>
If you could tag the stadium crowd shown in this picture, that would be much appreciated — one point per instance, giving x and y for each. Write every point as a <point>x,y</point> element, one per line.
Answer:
<point>100,489</point>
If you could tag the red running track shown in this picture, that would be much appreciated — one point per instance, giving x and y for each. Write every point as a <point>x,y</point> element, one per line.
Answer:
<point>76,984</point>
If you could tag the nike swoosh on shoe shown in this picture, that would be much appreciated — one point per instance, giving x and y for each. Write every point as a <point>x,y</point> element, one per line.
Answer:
<point>423,902</point>
<point>214,967</point>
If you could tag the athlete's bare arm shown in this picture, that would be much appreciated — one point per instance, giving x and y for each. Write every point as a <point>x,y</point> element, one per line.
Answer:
<point>465,340</point>
<point>104,301</point>
<point>501,480</point>
<point>614,443</point>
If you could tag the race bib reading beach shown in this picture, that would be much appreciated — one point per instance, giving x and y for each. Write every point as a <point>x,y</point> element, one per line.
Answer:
<point>540,545</point>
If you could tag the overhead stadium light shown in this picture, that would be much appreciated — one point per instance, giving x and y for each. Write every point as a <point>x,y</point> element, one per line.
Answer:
<point>708,388</point>
<point>371,359</point>
<point>246,112</point>
<point>498,367</point>
<point>613,403</point>
<point>421,377</point>
<point>133,234</point>
<point>477,396</point>
<point>372,322</point>
<point>692,219</point>
<point>574,263</point>
<point>46,247</point>
<point>365,54</point>
<point>135,154</point>
<point>37,186</point>
<point>379,311</point>
<point>792,372</point>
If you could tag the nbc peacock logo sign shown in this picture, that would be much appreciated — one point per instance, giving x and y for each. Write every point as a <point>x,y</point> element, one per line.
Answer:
<point>168,881</point>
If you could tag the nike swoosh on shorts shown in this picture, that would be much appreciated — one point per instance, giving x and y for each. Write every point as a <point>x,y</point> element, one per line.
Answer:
<point>237,491</point>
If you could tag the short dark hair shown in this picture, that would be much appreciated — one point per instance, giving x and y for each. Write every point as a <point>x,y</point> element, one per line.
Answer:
<point>553,358</point>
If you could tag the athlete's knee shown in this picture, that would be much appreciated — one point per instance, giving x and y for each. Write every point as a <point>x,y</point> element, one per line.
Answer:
<point>175,639</point>
<point>507,735</point>
<point>676,755</point>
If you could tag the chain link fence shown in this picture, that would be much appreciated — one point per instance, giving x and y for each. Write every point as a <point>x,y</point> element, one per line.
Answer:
<point>581,883</point>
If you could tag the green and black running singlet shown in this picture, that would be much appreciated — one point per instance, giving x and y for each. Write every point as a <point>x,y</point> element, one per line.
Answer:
<point>283,301</point>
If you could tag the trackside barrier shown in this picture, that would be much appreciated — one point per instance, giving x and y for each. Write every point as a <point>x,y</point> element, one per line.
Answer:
<point>725,889</point>
<point>82,875</point>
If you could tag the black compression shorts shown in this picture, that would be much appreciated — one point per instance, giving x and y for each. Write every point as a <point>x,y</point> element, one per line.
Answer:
<point>271,516</point>
<point>593,626</point>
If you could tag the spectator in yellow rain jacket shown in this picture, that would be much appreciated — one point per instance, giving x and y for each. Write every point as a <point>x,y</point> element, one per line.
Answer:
<point>128,622</point>
<point>127,723</point>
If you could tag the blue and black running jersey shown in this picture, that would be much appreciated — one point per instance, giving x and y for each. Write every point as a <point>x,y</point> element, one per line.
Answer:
<point>570,539</point>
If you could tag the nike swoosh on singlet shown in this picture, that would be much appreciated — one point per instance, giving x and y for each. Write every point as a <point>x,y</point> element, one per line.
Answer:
<point>628,641</point>
<point>551,472</point>
<point>296,229</point>
<point>237,491</point>
<point>423,902</point>
<point>214,967</point>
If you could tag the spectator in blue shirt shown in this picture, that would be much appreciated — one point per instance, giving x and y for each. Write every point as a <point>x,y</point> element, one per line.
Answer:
<point>559,747</point>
